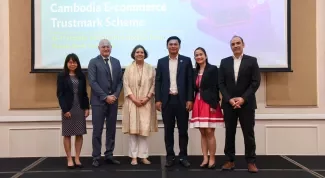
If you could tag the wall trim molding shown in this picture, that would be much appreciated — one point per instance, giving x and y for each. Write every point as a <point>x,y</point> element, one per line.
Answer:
<point>119,117</point>
<point>315,126</point>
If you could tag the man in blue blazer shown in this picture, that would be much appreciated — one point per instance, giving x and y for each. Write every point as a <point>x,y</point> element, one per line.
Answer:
<point>105,79</point>
<point>174,98</point>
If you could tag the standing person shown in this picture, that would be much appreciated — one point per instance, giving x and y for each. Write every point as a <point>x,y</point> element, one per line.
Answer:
<point>139,113</point>
<point>74,102</point>
<point>174,98</point>
<point>239,79</point>
<point>206,114</point>
<point>105,78</point>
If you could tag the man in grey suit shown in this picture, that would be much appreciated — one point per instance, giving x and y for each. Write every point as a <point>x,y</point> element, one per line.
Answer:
<point>105,78</point>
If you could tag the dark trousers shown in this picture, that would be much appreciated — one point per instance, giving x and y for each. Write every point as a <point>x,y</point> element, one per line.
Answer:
<point>247,122</point>
<point>99,113</point>
<point>174,109</point>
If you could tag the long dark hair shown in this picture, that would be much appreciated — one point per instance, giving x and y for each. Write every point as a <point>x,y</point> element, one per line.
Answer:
<point>74,58</point>
<point>197,66</point>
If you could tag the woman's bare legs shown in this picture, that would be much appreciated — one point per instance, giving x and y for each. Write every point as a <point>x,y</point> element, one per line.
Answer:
<point>211,140</point>
<point>204,147</point>
<point>67,148</point>
<point>78,146</point>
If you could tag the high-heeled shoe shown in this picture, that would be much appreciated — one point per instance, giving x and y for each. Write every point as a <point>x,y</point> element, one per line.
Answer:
<point>213,166</point>
<point>78,165</point>
<point>204,165</point>
<point>71,167</point>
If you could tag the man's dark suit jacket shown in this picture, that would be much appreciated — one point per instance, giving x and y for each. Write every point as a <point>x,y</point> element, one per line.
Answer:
<point>209,90</point>
<point>100,82</point>
<point>65,92</point>
<point>184,80</point>
<point>248,81</point>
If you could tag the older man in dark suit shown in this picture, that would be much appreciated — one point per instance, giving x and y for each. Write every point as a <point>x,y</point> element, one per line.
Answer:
<point>174,97</point>
<point>105,78</point>
<point>239,79</point>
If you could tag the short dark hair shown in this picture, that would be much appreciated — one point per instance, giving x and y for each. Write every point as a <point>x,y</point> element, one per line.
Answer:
<point>236,36</point>
<point>136,48</point>
<point>74,58</point>
<point>173,38</point>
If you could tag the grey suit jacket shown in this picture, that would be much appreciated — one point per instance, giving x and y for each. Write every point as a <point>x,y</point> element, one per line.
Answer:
<point>99,79</point>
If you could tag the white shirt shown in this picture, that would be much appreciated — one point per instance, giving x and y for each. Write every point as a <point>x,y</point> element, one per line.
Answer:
<point>173,63</point>
<point>237,62</point>
<point>109,64</point>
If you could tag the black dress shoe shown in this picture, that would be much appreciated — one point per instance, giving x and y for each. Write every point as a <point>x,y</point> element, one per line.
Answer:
<point>112,161</point>
<point>96,163</point>
<point>184,163</point>
<point>170,162</point>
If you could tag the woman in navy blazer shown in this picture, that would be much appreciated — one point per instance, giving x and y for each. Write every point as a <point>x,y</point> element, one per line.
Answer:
<point>74,102</point>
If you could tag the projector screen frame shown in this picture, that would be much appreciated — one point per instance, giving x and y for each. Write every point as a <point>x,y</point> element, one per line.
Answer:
<point>288,27</point>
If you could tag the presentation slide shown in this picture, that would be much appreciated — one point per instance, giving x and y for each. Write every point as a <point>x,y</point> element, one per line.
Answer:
<point>76,26</point>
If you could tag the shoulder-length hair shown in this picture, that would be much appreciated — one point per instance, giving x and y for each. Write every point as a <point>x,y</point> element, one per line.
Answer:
<point>74,58</point>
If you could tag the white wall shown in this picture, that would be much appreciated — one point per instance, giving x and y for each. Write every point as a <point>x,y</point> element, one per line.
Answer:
<point>278,130</point>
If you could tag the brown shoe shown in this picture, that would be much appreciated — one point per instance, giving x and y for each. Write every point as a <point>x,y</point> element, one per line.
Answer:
<point>228,166</point>
<point>252,168</point>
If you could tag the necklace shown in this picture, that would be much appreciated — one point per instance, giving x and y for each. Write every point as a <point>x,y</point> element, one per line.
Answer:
<point>139,74</point>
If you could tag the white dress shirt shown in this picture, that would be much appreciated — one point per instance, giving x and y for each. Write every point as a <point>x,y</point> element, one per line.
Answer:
<point>237,62</point>
<point>173,63</point>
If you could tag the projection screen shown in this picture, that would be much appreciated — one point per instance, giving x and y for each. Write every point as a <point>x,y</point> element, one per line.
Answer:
<point>61,27</point>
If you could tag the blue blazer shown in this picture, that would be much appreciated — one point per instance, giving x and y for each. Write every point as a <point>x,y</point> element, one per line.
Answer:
<point>98,77</point>
<point>65,93</point>
<point>184,79</point>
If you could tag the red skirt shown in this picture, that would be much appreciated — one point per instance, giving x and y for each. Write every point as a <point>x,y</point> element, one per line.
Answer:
<point>202,117</point>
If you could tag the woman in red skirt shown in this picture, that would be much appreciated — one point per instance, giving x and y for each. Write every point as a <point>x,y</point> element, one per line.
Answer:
<point>206,114</point>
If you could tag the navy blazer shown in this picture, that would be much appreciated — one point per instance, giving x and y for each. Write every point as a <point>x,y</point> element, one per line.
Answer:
<point>184,79</point>
<point>209,87</point>
<point>65,93</point>
<point>248,81</point>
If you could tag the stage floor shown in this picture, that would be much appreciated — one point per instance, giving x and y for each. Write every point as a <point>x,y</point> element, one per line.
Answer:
<point>269,167</point>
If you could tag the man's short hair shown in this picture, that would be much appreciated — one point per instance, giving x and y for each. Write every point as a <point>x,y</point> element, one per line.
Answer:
<point>173,38</point>
<point>236,36</point>
<point>104,42</point>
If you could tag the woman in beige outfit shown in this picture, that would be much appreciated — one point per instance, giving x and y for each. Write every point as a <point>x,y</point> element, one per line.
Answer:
<point>139,113</point>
